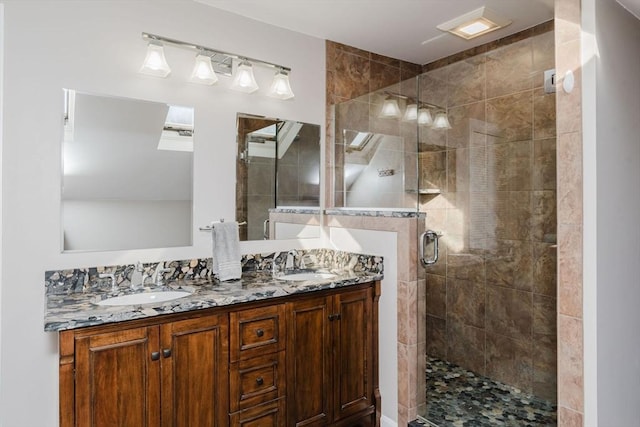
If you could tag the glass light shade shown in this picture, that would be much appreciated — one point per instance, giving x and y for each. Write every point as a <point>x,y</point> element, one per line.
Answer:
<point>203,71</point>
<point>243,80</point>
<point>155,63</point>
<point>280,88</point>
<point>390,109</point>
<point>411,113</point>
<point>441,121</point>
<point>424,117</point>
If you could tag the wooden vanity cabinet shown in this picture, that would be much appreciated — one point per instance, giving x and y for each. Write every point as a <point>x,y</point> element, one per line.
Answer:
<point>304,360</point>
<point>257,379</point>
<point>331,363</point>
<point>171,374</point>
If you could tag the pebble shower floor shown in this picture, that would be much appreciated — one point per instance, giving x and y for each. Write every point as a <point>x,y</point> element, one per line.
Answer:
<point>459,398</point>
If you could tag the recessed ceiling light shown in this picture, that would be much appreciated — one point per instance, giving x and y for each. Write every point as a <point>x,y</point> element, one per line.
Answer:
<point>475,23</point>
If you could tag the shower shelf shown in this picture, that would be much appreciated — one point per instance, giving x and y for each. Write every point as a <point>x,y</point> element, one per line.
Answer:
<point>429,191</point>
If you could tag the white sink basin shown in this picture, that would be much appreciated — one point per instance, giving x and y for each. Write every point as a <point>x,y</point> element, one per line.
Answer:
<point>307,276</point>
<point>144,298</point>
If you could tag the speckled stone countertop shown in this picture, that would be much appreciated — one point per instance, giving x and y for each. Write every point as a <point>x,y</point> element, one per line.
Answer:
<point>76,307</point>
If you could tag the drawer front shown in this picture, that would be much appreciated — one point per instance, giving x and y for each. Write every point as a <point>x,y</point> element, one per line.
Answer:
<point>257,331</point>
<point>257,380</point>
<point>272,414</point>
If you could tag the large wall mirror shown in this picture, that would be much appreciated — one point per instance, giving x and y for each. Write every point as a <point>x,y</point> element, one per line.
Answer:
<point>127,174</point>
<point>278,178</point>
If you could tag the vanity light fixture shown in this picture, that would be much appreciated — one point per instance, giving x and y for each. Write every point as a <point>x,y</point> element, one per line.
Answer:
<point>415,111</point>
<point>155,64</point>
<point>203,71</point>
<point>411,113</point>
<point>424,117</point>
<point>475,23</point>
<point>211,63</point>
<point>390,108</point>
<point>243,79</point>
<point>441,121</point>
<point>280,88</point>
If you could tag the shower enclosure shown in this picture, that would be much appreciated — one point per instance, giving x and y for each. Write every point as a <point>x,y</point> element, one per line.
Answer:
<point>471,142</point>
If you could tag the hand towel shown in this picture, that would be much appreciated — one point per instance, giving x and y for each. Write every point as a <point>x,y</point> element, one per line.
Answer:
<point>226,251</point>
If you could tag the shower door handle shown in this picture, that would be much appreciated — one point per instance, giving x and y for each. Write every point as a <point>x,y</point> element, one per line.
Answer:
<point>426,238</point>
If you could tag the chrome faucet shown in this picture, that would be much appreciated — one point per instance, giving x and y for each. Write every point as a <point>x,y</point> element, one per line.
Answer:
<point>114,286</point>
<point>158,278</point>
<point>137,278</point>
<point>290,264</point>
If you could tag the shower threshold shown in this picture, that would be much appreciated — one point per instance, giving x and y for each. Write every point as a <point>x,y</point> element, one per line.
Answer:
<point>457,397</point>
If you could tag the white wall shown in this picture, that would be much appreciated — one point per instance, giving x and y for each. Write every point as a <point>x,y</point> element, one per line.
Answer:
<point>384,243</point>
<point>96,47</point>
<point>123,225</point>
<point>616,118</point>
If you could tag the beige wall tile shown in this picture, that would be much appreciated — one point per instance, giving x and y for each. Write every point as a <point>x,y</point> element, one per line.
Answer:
<point>509,313</point>
<point>569,158</point>
<point>510,117</point>
<point>569,418</point>
<point>510,361</point>
<point>570,363</point>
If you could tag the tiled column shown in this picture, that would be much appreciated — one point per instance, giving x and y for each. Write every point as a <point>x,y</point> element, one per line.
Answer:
<point>411,345</point>
<point>570,219</point>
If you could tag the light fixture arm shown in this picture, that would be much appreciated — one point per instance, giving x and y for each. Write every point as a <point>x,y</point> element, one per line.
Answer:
<point>420,104</point>
<point>208,50</point>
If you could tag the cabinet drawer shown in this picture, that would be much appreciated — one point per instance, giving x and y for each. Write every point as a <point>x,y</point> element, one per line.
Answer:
<point>257,380</point>
<point>271,414</point>
<point>257,331</point>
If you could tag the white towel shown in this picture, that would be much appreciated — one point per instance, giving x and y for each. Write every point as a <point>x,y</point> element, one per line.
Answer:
<point>226,251</point>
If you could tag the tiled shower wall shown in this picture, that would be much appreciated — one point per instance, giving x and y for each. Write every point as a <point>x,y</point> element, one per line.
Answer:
<point>354,77</point>
<point>491,300</point>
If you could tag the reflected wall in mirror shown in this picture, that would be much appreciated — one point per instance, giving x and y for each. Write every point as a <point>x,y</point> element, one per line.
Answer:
<point>278,176</point>
<point>127,174</point>
<point>374,170</point>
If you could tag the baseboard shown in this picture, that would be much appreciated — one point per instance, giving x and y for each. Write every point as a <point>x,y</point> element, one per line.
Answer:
<point>387,422</point>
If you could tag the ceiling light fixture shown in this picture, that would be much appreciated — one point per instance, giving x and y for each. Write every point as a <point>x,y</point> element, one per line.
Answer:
<point>203,71</point>
<point>155,64</point>
<point>211,63</point>
<point>475,23</point>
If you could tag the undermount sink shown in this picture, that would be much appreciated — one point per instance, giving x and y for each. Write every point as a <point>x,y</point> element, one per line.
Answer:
<point>144,298</point>
<point>307,276</point>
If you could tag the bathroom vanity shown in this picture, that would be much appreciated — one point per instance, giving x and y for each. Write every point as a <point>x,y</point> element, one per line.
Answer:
<point>262,351</point>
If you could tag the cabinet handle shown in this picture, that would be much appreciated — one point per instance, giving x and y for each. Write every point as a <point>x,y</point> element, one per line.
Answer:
<point>259,332</point>
<point>166,352</point>
<point>335,316</point>
<point>155,355</point>
<point>259,381</point>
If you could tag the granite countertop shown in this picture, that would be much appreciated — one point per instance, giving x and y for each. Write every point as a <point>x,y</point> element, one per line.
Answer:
<point>79,309</point>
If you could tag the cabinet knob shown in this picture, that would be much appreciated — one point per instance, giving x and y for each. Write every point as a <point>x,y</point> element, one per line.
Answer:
<point>155,355</point>
<point>166,352</point>
<point>335,316</point>
<point>259,332</point>
<point>259,381</point>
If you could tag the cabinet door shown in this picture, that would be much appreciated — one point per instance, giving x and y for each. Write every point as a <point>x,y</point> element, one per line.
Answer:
<point>353,353</point>
<point>195,372</point>
<point>117,379</point>
<point>308,363</point>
